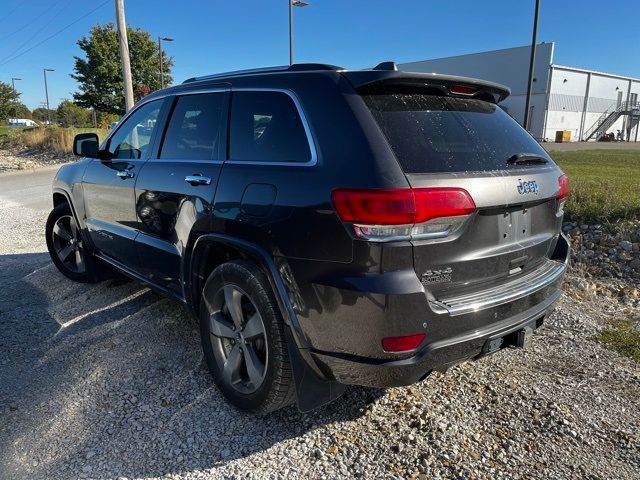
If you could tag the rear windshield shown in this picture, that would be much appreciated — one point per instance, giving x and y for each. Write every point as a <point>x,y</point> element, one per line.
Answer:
<point>431,133</point>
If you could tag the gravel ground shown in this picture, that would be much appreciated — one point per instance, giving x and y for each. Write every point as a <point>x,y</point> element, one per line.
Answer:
<point>21,159</point>
<point>108,381</point>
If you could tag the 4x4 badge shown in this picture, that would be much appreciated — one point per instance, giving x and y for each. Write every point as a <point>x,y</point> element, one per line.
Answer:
<point>527,186</point>
<point>437,276</point>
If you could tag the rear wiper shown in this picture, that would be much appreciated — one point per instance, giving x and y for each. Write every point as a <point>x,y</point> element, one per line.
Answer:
<point>525,158</point>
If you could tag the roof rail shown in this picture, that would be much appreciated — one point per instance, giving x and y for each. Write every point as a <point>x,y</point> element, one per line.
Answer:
<point>296,67</point>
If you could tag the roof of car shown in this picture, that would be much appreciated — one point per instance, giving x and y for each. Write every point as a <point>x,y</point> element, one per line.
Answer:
<point>381,76</point>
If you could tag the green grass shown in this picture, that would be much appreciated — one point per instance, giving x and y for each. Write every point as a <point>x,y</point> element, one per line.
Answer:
<point>605,184</point>
<point>622,337</point>
<point>8,135</point>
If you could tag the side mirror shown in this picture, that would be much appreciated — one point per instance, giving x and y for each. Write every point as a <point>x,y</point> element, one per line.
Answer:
<point>86,145</point>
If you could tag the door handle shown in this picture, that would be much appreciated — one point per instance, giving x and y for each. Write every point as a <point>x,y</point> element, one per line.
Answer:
<point>125,174</point>
<point>197,180</point>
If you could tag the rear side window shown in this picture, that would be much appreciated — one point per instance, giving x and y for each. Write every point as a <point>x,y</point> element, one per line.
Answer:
<point>432,134</point>
<point>193,131</point>
<point>266,127</point>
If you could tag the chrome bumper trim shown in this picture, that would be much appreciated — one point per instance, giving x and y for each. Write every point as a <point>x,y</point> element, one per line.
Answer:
<point>504,293</point>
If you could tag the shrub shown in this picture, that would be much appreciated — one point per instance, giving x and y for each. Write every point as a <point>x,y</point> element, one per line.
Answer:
<point>58,140</point>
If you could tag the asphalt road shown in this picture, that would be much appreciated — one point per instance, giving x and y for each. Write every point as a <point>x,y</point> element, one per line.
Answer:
<point>31,188</point>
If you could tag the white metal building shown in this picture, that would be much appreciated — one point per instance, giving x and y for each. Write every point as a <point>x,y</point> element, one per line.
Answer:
<point>586,102</point>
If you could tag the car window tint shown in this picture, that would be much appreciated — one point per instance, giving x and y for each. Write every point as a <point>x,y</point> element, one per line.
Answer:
<point>132,139</point>
<point>432,134</point>
<point>194,127</point>
<point>266,127</point>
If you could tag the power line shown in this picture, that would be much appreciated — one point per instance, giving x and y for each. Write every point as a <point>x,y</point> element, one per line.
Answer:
<point>55,34</point>
<point>11,12</point>
<point>33,36</point>
<point>30,22</point>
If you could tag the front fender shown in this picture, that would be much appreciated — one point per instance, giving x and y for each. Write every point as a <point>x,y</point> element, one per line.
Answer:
<point>68,182</point>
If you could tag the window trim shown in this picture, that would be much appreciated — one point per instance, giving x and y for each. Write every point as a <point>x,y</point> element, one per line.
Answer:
<point>227,125</point>
<point>305,124</point>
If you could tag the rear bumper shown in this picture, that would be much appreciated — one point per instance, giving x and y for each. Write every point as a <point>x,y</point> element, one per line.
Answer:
<point>353,370</point>
<point>498,318</point>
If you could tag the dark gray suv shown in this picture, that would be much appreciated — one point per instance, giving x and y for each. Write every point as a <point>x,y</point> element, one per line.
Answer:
<point>325,226</point>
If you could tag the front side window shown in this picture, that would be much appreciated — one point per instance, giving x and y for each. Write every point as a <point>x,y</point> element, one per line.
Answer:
<point>266,127</point>
<point>132,139</point>
<point>194,127</point>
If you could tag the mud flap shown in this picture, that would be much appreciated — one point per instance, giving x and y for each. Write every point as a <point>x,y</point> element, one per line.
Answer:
<point>311,391</point>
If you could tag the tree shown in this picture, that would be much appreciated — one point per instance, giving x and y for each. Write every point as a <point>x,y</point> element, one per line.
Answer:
<point>69,114</point>
<point>40,114</point>
<point>100,73</point>
<point>106,119</point>
<point>8,98</point>
<point>141,92</point>
<point>19,110</point>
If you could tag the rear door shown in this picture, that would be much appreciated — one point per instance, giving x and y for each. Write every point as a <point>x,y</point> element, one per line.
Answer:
<point>176,187</point>
<point>472,144</point>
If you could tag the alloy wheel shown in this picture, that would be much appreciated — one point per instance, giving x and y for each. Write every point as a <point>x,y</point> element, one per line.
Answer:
<point>68,244</point>
<point>238,338</point>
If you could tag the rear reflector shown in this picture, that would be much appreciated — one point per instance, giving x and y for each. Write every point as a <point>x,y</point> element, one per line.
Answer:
<point>402,344</point>
<point>402,206</point>
<point>564,187</point>
<point>463,89</point>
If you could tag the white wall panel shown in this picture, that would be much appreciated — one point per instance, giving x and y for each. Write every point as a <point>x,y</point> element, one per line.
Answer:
<point>563,94</point>
<point>509,67</point>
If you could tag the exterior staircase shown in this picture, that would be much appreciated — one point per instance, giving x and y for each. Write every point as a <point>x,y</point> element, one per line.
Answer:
<point>609,117</point>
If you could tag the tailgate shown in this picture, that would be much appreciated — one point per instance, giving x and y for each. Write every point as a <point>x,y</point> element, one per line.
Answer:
<point>449,141</point>
<point>512,232</point>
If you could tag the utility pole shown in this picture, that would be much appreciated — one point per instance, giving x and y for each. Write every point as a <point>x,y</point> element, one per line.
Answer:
<point>46,92</point>
<point>532,61</point>
<point>124,54</point>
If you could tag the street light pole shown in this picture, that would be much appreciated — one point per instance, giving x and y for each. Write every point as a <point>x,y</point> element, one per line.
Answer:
<point>293,3</point>
<point>532,61</point>
<point>13,82</point>
<point>160,39</point>
<point>46,92</point>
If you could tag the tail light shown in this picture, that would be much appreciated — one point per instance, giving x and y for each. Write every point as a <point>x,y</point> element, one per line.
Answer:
<point>563,192</point>
<point>463,89</point>
<point>402,344</point>
<point>403,214</point>
<point>564,187</point>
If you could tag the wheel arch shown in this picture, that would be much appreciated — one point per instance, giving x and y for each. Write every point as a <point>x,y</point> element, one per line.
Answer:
<point>314,387</point>
<point>211,250</point>
<point>61,196</point>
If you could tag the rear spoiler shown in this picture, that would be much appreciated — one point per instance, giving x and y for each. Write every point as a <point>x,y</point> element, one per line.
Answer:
<point>378,81</point>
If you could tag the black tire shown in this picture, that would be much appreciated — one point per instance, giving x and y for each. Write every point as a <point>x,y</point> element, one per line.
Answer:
<point>268,348</point>
<point>64,239</point>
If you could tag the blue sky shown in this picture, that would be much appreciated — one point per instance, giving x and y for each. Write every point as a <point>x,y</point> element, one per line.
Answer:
<point>215,35</point>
